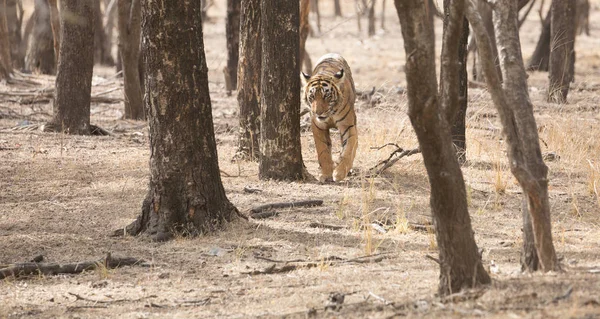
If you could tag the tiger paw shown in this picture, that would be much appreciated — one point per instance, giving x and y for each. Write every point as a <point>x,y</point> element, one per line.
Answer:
<point>325,179</point>
<point>339,175</point>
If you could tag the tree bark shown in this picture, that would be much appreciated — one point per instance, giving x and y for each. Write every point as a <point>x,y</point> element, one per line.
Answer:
<point>280,151</point>
<point>40,54</point>
<point>460,262</point>
<point>562,35</point>
<point>249,77</point>
<point>314,5</point>
<point>382,14</point>
<point>185,193</point>
<point>516,114</point>
<point>485,10</point>
<point>14,22</point>
<point>75,66</point>
<point>5,60</point>
<point>109,16</point>
<point>338,8</point>
<point>371,29</point>
<point>55,23</point>
<point>459,123</point>
<point>541,55</point>
<point>232,32</point>
<point>130,24</point>
<point>304,30</point>
<point>101,56</point>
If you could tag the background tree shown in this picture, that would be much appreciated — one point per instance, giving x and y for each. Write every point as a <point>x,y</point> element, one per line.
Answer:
<point>55,23</point>
<point>541,55</point>
<point>460,262</point>
<point>562,54</point>
<point>304,31</point>
<point>14,22</point>
<point>130,27</point>
<point>101,54</point>
<point>371,28</point>
<point>40,53</point>
<point>185,192</point>
<point>110,15</point>
<point>337,8</point>
<point>5,61</point>
<point>280,150</point>
<point>232,33</point>
<point>249,77</point>
<point>75,67</point>
<point>516,114</point>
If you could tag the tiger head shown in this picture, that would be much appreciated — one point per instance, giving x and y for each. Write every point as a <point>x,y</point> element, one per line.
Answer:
<point>322,93</point>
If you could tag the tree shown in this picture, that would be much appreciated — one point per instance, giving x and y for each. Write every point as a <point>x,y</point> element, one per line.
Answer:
<point>130,27</point>
<point>101,55</point>
<point>75,67</point>
<point>562,54</point>
<point>371,29</point>
<point>232,32</point>
<point>40,54</point>
<point>337,8</point>
<point>110,9</point>
<point>541,55</point>
<point>5,61</point>
<point>460,262</point>
<point>249,76</point>
<point>516,114</point>
<point>14,22</point>
<point>280,151</point>
<point>185,194</point>
<point>304,31</point>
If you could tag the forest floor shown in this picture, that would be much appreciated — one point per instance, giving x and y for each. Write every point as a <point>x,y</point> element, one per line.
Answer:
<point>62,196</point>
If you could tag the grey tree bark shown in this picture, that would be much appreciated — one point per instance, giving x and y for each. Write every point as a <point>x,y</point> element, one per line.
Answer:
<point>371,26</point>
<point>14,22</point>
<point>232,32</point>
<point>101,54</point>
<point>541,55</point>
<point>280,150</point>
<point>249,77</point>
<point>516,114</point>
<point>460,262</point>
<point>337,8</point>
<point>110,16</point>
<point>185,194</point>
<point>562,53</point>
<point>130,27</point>
<point>5,60</point>
<point>40,53</point>
<point>75,66</point>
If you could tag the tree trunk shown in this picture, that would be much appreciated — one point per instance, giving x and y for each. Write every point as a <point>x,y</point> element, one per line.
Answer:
<point>232,32</point>
<point>55,23</point>
<point>14,22</point>
<point>371,29</point>
<point>130,24</point>
<point>562,35</point>
<point>109,16</point>
<point>485,10</point>
<point>358,15</point>
<point>5,61</point>
<point>582,19</point>
<point>40,56</point>
<point>100,55</point>
<point>304,30</point>
<point>516,114</point>
<point>541,55</point>
<point>457,90</point>
<point>314,5</point>
<point>382,14</point>
<point>75,66</point>
<point>460,262</point>
<point>280,151</point>
<point>249,76</point>
<point>185,193</point>
<point>338,8</point>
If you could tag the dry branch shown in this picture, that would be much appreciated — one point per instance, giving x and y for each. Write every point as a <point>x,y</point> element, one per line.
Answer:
<point>325,226</point>
<point>301,264</point>
<point>306,203</point>
<point>34,268</point>
<point>46,94</point>
<point>395,156</point>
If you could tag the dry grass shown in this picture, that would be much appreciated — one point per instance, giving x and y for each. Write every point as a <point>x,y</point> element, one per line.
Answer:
<point>62,195</point>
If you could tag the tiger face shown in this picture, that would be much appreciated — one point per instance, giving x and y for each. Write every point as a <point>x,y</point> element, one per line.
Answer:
<point>322,94</point>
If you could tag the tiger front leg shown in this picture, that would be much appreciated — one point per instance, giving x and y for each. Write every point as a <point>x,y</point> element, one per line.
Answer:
<point>349,137</point>
<point>323,146</point>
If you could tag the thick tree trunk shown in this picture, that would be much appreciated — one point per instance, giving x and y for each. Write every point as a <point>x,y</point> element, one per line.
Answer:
<point>371,29</point>
<point>14,22</point>
<point>40,54</point>
<point>460,262</point>
<point>5,61</point>
<point>455,62</point>
<point>232,32</point>
<point>338,8</point>
<point>75,66</point>
<point>516,114</point>
<point>130,24</point>
<point>185,193</point>
<point>304,30</point>
<point>280,151</point>
<point>541,55</point>
<point>562,56</point>
<point>249,76</point>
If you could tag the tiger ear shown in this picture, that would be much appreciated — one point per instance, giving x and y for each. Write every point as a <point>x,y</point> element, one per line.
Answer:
<point>305,76</point>
<point>340,74</point>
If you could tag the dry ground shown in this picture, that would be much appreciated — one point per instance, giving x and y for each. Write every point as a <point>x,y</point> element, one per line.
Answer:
<point>61,196</point>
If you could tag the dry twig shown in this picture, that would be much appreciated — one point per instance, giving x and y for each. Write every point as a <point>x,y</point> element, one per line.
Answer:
<point>395,156</point>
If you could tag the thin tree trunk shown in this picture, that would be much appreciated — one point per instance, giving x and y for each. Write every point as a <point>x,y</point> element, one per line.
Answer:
<point>40,54</point>
<point>109,16</point>
<point>26,37</point>
<point>55,23</point>
<point>371,29</point>
<point>185,193</point>
<point>232,32</point>
<point>280,151</point>
<point>338,8</point>
<point>358,15</point>
<point>304,30</point>
<point>5,61</point>
<point>541,55</point>
<point>249,76</point>
<point>314,4</point>
<point>130,23</point>
<point>382,14</point>
<point>101,55</point>
<point>460,262</point>
<point>485,10</point>
<point>562,35</point>
<point>14,22</point>
<point>516,114</point>
<point>75,66</point>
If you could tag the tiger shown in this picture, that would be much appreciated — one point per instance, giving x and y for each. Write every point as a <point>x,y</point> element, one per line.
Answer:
<point>330,94</point>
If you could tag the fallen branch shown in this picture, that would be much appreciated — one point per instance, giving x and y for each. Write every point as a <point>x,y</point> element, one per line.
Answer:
<point>79,297</point>
<point>46,94</point>
<point>255,212</point>
<point>395,156</point>
<point>34,268</point>
<point>325,226</point>
<point>292,265</point>
<point>421,227</point>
